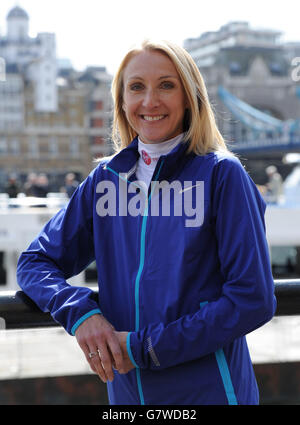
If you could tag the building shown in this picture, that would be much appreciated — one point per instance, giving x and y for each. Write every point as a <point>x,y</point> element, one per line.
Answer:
<point>53,119</point>
<point>253,65</point>
<point>206,48</point>
<point>96,83</point>
<point>254,87</point>
<point>35,57</point>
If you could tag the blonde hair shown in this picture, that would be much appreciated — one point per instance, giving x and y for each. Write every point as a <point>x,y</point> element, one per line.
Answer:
<point>200,125</point>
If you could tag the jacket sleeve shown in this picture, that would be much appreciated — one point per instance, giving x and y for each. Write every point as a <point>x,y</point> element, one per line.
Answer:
<point>63,249</point>
<point>247,300</point>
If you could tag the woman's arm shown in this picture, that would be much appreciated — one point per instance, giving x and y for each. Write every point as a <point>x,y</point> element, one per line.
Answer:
<point>63,249</point>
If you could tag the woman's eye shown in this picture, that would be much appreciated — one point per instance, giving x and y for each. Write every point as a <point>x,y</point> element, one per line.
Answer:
<point>167,85</point>
<point>136,86</point>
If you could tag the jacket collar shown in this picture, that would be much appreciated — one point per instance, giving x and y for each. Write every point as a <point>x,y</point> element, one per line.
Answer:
<point>123,161</point>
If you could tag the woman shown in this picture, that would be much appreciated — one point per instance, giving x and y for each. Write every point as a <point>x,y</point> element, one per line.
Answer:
<point>177,230</point>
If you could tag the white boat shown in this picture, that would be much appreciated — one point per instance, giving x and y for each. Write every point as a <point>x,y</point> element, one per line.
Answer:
<point>21,219</point>
<point>283,225</point>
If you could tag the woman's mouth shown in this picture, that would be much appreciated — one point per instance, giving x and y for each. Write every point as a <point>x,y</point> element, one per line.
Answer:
<point>153,117</point>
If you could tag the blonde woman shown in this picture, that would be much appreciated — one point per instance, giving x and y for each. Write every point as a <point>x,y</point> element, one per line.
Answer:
<point>176,227</point>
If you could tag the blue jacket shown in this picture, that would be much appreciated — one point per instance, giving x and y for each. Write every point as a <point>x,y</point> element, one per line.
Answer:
<point>187,294</point>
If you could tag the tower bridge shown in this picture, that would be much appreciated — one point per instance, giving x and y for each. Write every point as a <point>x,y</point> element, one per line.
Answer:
<point>257,134</point>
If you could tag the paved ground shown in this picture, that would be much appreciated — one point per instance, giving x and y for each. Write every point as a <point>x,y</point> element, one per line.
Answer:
<point>52,352</point>
<point>35,353</point>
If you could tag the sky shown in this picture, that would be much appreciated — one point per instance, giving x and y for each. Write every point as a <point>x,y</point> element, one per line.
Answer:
<point>99,32</point>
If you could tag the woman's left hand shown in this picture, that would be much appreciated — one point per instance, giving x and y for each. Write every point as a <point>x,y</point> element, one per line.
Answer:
<point>127,364</point>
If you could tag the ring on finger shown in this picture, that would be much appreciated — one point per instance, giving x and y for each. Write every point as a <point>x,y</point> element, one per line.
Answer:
<point>92,354</point>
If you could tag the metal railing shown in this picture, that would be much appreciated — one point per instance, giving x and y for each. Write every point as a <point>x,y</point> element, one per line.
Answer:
<point>17,311</point>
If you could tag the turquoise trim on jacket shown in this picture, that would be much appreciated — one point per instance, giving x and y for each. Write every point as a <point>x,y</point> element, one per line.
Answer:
<point>83,318</point>
<point>225,373</point>
<point>129,350</point>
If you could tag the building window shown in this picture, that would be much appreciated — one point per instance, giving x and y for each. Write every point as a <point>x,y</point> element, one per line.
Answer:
<point>96,122</point>
<point>53,146</point>
<point>98,140</point>
<point>3,146</point>
<point>73,113</point>
<point>74,146</point>
<point>98,105</point>
<point>15,147</point>
<point>33,147</point>
<point>72,100</point>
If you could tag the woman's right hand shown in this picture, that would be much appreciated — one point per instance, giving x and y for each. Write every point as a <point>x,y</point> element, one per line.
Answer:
<point>96,335</point>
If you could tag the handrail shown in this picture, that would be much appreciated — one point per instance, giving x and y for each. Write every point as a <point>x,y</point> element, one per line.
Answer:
<point>18,311</point>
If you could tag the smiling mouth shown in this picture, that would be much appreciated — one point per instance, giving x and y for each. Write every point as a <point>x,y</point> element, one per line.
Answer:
<point>153,118</point>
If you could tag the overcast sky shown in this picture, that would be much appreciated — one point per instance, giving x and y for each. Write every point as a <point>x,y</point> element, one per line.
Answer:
<point>98,32</point>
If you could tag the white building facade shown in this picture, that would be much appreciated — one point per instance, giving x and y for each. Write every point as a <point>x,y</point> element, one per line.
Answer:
<point>34,57</point>
<point>205,48</point>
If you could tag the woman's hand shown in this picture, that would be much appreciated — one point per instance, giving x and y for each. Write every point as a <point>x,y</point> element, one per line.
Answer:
<point>102,346</point>
<point>127,364</point>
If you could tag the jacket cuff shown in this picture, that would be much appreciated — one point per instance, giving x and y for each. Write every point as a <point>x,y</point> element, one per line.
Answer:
<point>129,351</point>
<point>135,350</point>
<point>83,318</point>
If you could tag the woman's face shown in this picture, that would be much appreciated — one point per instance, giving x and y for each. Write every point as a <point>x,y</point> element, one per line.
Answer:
<point>153,100</point>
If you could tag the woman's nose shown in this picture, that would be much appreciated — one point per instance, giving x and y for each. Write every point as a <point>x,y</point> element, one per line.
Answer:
<point>150,99</point>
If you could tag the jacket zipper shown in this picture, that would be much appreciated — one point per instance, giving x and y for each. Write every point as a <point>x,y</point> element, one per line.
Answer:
<point>138,278</point>
<point>139,273</point>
